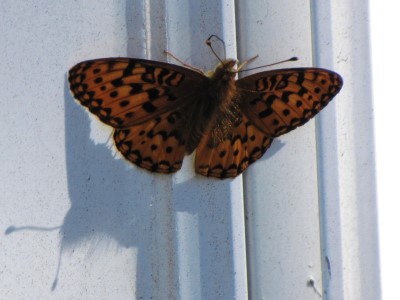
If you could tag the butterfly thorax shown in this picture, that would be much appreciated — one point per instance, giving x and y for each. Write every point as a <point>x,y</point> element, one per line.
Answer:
<point>223,85</point>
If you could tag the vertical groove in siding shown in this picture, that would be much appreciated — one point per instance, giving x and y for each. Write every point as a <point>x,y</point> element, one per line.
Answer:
<point>328,167</point>
<point>348,196</point>
<point>209,212</point>
<point>281,194</point>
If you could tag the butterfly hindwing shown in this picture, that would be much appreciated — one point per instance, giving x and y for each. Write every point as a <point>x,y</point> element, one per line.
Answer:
<point>232,156</point>
<point>278,101</point>
<point>156,145</point>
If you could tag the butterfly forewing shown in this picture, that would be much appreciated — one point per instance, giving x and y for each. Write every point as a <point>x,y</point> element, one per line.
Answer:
<point>124,92</point>
<point>279,101</point>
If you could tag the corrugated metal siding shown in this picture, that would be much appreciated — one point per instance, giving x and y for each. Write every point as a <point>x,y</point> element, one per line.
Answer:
<point>126,233</point>
<point>334,155</point>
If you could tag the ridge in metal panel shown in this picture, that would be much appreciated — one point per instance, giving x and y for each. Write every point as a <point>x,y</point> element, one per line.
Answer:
<point>281,191</point>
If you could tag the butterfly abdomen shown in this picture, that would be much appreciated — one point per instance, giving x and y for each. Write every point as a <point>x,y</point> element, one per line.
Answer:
<point>225,106</point>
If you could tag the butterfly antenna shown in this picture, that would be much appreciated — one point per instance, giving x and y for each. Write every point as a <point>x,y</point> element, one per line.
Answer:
<point>279,62</point>
<point>209,44</point>
<point>246,62</point>
<point>183,63</point>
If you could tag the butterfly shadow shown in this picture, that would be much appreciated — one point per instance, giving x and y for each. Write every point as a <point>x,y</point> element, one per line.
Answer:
<point>109,199</point>
<point>109,207</point>
<point>112,204</point>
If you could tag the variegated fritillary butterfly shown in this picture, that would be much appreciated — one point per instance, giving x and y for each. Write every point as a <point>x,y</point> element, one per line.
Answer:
<point>162,111</point>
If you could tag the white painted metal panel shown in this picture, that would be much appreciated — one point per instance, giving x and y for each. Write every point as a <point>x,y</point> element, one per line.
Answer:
<point>125,233</point>
<point>346,47</point>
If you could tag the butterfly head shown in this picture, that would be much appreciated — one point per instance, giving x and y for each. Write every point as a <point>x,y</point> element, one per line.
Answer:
<point>225,70</point>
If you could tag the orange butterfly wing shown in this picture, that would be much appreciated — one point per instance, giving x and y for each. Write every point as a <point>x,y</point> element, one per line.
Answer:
<point>278,101</point>
<point>141,99</point>
<point>272,103</point>
<point>156,145</point>
<point>231,157</point>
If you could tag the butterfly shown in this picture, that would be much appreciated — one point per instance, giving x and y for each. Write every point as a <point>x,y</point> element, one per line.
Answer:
<point>160,112</point>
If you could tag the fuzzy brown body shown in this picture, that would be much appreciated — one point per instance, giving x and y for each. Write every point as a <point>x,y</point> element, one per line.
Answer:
<point>160,111</point>
<point>214,110</point>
